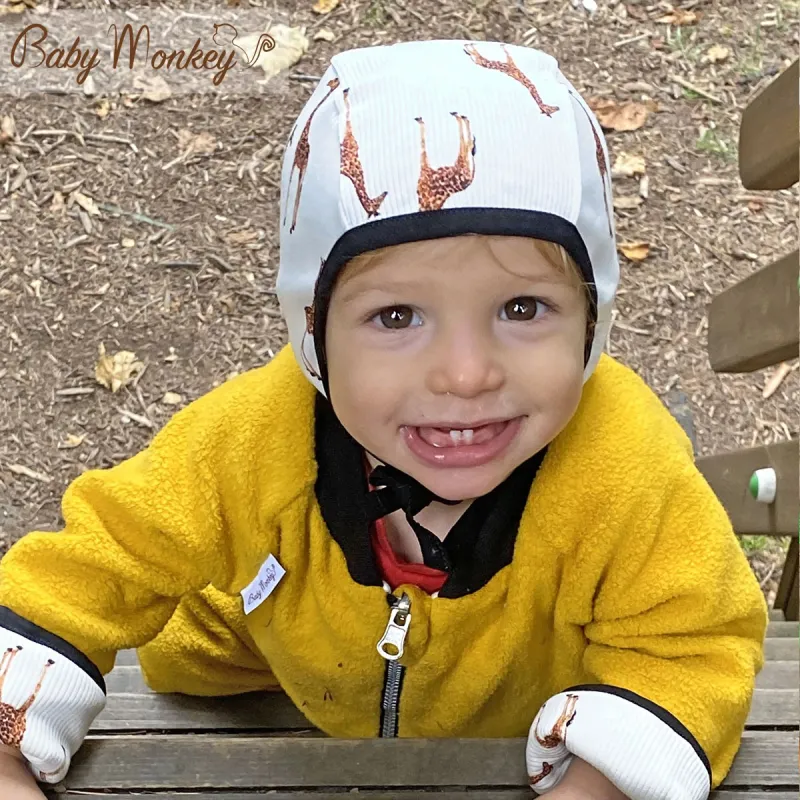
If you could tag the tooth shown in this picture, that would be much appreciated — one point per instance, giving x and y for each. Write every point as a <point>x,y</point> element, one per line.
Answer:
<point>455,435</point>
<point>468,434</point>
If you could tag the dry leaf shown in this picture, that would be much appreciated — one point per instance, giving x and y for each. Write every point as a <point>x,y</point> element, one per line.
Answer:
<point>154,88</point>
<point>242,237</point>
<point>290,46</point>
<point>8,130</point>
<point>18,469</point>
<point>102,108</point>
<point>324,6</point>
<point>118,370</point>
<point>15,8</point>
<point>776,380</point>
<point>627,165</point>
<point>715,54</point>
<point>72,441</point>
<point>679,16</point>
<point>325,35</point>
<point>172,399</point>
<point>619,116</point>
<point>126,242</point>
<point>128,101</point>
<point>57,203</point>
<point>623,203</point>
<point>634,251</point>
<point>86,203</point>
<point>196,143</point>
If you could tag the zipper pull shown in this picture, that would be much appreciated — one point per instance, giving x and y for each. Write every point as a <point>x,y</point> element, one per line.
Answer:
<point>391,645</point>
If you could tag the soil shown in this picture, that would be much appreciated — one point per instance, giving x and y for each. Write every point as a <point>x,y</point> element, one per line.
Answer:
<point>182,273</point>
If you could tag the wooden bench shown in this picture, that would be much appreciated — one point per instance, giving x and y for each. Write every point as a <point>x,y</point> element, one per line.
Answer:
<point>229,748</point>
<point>754,324</point>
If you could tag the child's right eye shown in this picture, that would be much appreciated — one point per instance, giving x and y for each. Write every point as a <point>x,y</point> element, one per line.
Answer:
<point>396,317</point>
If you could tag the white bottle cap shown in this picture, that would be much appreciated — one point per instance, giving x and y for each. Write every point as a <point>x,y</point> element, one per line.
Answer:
<point>763,485</point>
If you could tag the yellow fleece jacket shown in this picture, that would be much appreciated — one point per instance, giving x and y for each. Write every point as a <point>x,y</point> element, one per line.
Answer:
<point>626,571</point>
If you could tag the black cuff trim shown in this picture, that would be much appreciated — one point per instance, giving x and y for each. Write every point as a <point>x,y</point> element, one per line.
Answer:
<point>423,225</point>
<point>17,624</point>
<point>653,708</point>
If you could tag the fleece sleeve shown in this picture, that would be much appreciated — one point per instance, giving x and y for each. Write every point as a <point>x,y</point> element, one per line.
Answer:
<point>135,539</point>
<point>673,650</point>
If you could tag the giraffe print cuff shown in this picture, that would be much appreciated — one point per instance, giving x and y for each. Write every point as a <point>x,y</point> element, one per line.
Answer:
<point>639,746</point>
<point>47,703</point>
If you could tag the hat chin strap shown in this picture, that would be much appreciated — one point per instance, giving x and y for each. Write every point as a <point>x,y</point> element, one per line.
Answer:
<point>394,489</point>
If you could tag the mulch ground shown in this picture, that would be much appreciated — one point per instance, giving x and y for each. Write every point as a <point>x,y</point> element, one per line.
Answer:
<point>179,264</point>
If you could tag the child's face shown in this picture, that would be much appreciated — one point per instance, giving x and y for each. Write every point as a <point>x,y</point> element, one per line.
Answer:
<point>449,334</point>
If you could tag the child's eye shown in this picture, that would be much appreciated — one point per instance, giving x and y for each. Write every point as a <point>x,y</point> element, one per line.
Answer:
<point>396,317</point>
<point>522,309</point>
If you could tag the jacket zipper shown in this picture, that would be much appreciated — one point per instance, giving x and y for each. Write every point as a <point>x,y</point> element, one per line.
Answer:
<point>390,648</point>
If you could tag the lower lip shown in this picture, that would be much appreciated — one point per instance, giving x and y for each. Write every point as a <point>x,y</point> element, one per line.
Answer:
<point>463,455</point>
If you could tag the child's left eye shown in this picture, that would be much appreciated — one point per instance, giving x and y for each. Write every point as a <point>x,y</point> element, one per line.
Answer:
<point>522,309</point>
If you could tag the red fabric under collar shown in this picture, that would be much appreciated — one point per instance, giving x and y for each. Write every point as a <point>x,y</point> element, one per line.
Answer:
<point>396,570</point>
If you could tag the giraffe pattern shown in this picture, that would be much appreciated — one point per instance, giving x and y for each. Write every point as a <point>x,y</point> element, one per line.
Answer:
<point>13,721</point>
<point>351,165</point>
<point>309,331</point>
<point>601,161</point>
<point>301,154</point>
<point>508,67</point>
<point>436,185</point>
<point>556,736</point>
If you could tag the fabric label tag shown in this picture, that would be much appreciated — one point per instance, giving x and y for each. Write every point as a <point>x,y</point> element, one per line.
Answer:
<point>262,585</point>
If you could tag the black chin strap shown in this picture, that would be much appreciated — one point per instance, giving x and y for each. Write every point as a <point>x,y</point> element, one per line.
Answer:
<point>400,491</point>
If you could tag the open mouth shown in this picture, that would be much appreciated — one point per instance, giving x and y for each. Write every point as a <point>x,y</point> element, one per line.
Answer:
<point>463,446</point>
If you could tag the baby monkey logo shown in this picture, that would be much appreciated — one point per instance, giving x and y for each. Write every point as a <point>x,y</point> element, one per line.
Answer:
<point>222,37</point>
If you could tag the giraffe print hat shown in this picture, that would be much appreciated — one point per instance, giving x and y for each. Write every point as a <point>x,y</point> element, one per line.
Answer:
<point>422,140</point>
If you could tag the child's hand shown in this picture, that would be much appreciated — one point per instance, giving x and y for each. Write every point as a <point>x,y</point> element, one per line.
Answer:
<point>584,782</point>
<point>16,781</point>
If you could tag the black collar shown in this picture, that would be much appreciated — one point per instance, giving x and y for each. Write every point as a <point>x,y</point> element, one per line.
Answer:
<point>478,546</point>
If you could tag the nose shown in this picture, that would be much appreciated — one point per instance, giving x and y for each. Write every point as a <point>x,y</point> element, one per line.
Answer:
<point>464,364</point>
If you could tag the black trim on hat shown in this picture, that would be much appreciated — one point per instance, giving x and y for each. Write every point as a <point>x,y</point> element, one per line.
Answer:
<point>423,225</point>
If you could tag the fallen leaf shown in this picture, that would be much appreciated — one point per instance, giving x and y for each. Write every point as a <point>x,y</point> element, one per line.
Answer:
<point>118,370</point>
<point>102,108</point>
<point>8,130</point>
<point>72,441</point>
<point>14,8</point>
<point>172,399</point>
<point>86,203</point>
<point>715,54</point>
<point>153,88</point>
<point>196,143</point>
<point>634,251</point>
<point>619,116</point>
<point>624,203</point>
<point>57,203</point>
<point>126,242</point>
<point>679,16</point>
<point>776,380</point>
<point>18,469</point>
<point>627,165</point>
<point>324,35</point>
<point>242,237</point>
<point>291,45</point>
<point>324,6</point>
<point>128,101</point>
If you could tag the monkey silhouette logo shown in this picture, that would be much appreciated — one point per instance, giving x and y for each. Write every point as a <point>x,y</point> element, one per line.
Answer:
<point>223,30</point>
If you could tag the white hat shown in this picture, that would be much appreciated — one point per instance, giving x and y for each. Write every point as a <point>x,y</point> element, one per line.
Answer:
<point>422,140</point>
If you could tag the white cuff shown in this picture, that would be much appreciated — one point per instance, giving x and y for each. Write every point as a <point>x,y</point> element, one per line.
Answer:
<point>47,701</point>
<point>639,746</point>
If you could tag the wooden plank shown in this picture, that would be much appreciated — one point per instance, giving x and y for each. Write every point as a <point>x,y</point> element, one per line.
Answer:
<point>768,135</point>
<point>275,712</point>
<point>786,597</point>
<point>395,794</point>
<point>781,650</point>
<point>729,473</point>
<point>779,675</point>
<point>754,323</point>
<point>783,630</point>
<point>766,758</point>
<point>776,615</point>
